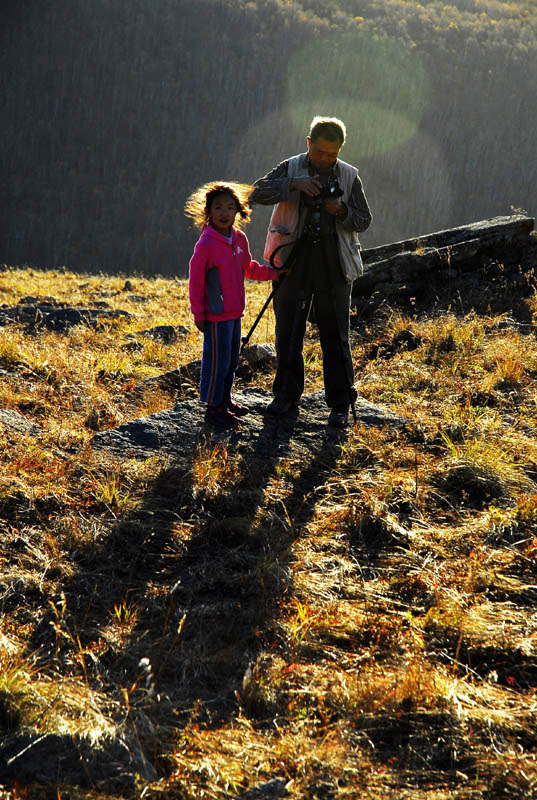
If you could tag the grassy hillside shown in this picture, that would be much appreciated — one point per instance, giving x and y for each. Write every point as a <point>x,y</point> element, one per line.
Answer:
<point>113,112</point>
<point>357,623</point>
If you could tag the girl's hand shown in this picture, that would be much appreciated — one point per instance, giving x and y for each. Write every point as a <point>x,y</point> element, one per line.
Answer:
<point>200,325</point>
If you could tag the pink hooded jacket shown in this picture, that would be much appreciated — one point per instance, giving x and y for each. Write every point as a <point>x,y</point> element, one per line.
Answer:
<point>216,275</point>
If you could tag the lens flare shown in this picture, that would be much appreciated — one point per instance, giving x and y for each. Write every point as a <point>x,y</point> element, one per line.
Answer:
<point>378,88</point>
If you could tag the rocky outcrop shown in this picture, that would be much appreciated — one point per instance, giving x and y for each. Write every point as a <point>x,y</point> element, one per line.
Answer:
<point>53,316</point>
<point>256,358</point>
<point>489,251</point>
<point>175,431</point>
<point>15,421</point>
<point>167,334</point>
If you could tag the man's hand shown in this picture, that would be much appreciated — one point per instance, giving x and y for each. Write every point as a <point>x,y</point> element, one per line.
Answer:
<point>335,207</point>
<point>310,186</point>
<point>200,325</point>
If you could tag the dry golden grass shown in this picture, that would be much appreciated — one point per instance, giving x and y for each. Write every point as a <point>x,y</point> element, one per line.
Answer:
<point>356,625</point>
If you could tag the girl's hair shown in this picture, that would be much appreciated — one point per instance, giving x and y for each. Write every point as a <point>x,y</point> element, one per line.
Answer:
<point>198,205</point>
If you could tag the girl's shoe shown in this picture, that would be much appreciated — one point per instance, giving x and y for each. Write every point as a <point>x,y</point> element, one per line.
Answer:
<point>221,417</point>
<point>236,409</point>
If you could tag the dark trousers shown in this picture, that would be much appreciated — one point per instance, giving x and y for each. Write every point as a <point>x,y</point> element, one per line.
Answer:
<point>220,358</point>
<point>316,276</point>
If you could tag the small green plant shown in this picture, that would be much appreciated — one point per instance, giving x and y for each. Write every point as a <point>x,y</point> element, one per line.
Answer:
<point>508,371</point>
<point>17,700</point>
<point>525,511</point>
<point>288,469</point>
<point>489,455</point>
<point>312,361</point>
<point>300,623</point>
<point>470,417</point>
<point>155,353</point>
<point>110,489</point>
<point>216,467</point>
<point>11,350</point>
<point>113,365</point>
<point>125,613</point>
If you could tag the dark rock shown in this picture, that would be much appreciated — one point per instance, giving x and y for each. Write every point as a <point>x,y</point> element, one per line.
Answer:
<point>133,345</point>
<point>93,295</point>
<point>525,329</point>
<point>42,300</point>
<point>137,298</point>
<point>168,334</point>
<point>167,431</point>
<point>192,370</point>
<point>470,486</point>
<point>406,340</point>
<point>49,758</point>
<point>473,261</point>
<point>18,423</point>
<point>60,318</point>
<point>259,355</point>
<point>256,358</point>
<point>172,381</point>
<point>93,420</point>
<point>402,340</point>
<point>175,431</point>
<point>271,790</point>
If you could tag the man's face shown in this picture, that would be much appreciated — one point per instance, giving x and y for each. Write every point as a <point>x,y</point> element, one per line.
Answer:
<point>322,153</point>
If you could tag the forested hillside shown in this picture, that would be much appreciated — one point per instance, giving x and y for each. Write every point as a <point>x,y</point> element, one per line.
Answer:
<point>114,110</point>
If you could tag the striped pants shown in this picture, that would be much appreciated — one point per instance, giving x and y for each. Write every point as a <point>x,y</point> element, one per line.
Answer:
<point>220,358</point>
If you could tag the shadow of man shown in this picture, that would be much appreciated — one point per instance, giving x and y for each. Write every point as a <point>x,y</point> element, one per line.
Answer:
<point>166,610</point>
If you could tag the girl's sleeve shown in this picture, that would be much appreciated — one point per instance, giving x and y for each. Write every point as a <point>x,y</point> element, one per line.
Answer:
<point>255,271</point>
<point>196,281</point>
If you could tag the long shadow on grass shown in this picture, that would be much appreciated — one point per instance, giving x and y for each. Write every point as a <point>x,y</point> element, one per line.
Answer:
<point>224,579</point>
<point>191,581</point>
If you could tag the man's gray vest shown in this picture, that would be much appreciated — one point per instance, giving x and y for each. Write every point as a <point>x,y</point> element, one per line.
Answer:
<point>286,222</point>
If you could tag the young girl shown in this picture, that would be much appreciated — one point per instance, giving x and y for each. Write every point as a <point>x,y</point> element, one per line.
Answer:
<point>218,266</point>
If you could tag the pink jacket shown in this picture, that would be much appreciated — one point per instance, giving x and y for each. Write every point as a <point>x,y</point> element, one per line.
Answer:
<point>216,275</point>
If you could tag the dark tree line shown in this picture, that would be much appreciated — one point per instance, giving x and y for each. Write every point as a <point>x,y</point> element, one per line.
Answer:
<point>114,110</point>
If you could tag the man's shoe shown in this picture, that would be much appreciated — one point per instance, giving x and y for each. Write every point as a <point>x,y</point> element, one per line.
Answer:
<point>279,406</point>
<point>236,409</point>
<point>221,417</point>
<point>339,416</point>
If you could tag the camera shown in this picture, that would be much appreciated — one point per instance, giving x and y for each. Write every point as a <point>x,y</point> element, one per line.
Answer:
<point>329,191</point>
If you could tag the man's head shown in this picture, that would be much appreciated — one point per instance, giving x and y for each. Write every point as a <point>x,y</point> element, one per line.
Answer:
<point>326,137</point>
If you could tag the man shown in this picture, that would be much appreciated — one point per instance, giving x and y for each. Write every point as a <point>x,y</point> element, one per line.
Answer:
<point>322,266</point>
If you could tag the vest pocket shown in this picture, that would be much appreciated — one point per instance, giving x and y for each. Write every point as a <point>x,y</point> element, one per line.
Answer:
<point>349,252</point>
<point>214,291</point>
